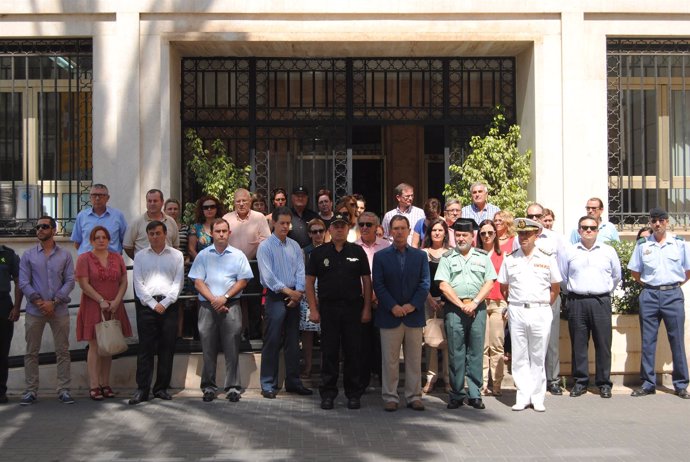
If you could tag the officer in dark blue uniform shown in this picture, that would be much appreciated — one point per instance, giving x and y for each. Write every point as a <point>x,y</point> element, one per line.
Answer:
<point>661,263</point>
<point>9,312</point>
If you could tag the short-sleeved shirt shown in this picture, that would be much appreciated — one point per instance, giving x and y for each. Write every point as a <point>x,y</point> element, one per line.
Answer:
<point>465,275</point>
<point>661,264</point>
<point>413,215</point>
<point>607,232</point>
<point>112,219</point>
<point>136,236</point>
<point>220,271</point>
<point>593,271</point>
<point>247,234</point>
<point>339,273</point>
<point>529,278</point>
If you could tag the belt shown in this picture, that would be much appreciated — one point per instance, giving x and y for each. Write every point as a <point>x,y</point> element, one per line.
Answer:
<point>662,287</point>
<point>530,305</point>
<point>579,296</point>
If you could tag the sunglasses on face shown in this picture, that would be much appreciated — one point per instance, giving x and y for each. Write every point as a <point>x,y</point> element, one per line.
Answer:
<point>317,231</point>
<point>209,207</point>
<point>589,228</point>
<point>534,215</point>
<point>43,226</point>
<point>486,233</point>
<point>365,224</point>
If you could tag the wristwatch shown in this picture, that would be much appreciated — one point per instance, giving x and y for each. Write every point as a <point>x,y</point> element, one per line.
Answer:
<point>227,297</point>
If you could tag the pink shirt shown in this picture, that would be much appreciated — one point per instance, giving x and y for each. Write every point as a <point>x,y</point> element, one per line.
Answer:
<point>246,234</point>
<point>370,250</point>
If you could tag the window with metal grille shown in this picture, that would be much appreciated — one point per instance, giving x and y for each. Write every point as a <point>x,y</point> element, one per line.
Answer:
<point>45,131</point>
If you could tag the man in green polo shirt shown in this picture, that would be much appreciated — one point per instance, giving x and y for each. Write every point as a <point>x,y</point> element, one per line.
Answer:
<point>467,275</point>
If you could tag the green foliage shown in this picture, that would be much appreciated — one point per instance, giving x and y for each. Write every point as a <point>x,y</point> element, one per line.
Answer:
<point>496,161</point>
<point>626,295</point>
<point>215,171</point>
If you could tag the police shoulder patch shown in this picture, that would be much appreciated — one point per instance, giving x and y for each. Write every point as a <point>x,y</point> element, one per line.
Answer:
<point>545,252</point>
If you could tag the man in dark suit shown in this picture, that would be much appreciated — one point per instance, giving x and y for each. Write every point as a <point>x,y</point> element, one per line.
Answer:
<point>401,282</point>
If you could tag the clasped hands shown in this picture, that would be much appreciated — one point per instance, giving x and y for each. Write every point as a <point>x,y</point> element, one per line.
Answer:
<point>401,311</point>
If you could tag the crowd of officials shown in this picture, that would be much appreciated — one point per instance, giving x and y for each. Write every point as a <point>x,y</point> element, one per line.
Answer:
<point>365,288</point>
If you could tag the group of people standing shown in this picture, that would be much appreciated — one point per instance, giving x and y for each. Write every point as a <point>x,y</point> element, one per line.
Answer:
<point>369,291</point>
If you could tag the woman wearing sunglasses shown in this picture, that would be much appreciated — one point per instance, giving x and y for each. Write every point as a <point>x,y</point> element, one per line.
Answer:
<point>435,244</point>
<point>487,239</point>
<point>317,232</point>
<point>208,208</point>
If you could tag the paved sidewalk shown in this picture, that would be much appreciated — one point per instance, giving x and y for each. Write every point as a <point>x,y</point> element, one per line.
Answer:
<point>295,428</point>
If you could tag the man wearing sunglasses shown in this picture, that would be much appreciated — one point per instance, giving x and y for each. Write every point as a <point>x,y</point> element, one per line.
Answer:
<point>591,270</point>
<point>46,277</point>
<point>371,339</point>
<point>607,231</point>
<point>661,264</point>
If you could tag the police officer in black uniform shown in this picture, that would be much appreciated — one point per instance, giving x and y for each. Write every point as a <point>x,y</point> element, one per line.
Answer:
<point>344,303</point>
<point>9,312</point>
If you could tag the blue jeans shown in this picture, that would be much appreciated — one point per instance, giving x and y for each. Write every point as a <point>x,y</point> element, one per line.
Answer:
<point>281,330</point>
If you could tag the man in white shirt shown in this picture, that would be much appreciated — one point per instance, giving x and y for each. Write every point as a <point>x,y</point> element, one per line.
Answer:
<point>158,276</point>
<point>404,194</point>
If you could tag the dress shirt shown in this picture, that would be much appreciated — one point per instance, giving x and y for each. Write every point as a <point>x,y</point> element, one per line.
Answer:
<point>47,277</point>
<point>137,239</point>
<point>158,274</point>
<point>660,264</point>
<point>413,215</point>
<point>529,278</point>
<point>472,211</point>
<point>220,271</point>
<point>247,234</point>
<point>281,264</point>
<point>112,219</point>
<point>371,249</point>
<point>592,271</point>
<point>607,232</point>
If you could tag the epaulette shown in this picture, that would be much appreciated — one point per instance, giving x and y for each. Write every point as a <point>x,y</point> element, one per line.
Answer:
<point>545,252</point>
<point>514,251</point>
<point>482,251</point>
<point>680,238</point>
<point>448,253</point>
<point>641,240</point>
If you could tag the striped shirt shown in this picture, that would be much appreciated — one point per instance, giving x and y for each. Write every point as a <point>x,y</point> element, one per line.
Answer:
<point>471,211</point>
<point>281,264</point>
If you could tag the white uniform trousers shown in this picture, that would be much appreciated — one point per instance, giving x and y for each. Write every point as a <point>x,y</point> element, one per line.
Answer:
<point>529,335</point>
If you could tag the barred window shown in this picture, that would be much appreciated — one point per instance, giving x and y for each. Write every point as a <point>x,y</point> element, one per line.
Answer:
<point>45,131</point>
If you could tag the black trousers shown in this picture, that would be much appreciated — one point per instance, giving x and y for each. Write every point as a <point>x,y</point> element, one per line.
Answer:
<point>157,335</point>
<point>6,331</point>
<point>371,354</point>
<point>340,326</point>
<point>590,315</point>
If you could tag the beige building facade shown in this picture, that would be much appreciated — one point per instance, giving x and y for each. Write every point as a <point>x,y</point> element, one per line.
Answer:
<point>571,105</point>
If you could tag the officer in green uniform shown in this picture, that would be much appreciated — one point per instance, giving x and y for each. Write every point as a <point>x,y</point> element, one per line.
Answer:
<point>466,276</point>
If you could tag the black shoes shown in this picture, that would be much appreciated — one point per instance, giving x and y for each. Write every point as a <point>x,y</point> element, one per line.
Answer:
<point>605,391</point>
<point>327,403</point>
<point>162,394</point>
<point>354,403</point>
<point>642,392</point>
<point>209,395</point>
<point>476,403</point>
<point>233,396</point>
<point>554,389</point>
<point>683,394</point>
<point>301,390</point>
<point>138,397</point>
<point>578,390</point>
<point>268,394</point>
<point>455,403</point>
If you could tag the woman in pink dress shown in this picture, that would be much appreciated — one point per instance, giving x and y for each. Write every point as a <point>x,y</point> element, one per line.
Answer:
<point>102,276</point>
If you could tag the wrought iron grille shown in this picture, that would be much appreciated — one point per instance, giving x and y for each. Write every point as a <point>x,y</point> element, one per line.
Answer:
<point>292,119</point>
<point>45,131</point>
<point>648,129</point>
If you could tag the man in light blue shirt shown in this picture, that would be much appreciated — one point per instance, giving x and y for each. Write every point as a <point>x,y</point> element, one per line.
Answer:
<point>99,214</point>
<point>607,231</point>
<point>480,209</point>
<point>281,269</point>
<point>220,272</point>
<point>591,270</point>
<point>661,263</point>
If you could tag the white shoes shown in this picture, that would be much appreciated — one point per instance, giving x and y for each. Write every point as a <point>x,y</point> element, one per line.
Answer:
<point>539,407</point>
<point>520,407</point>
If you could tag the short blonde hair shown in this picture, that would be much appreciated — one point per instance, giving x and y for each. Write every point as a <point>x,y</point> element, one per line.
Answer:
<point>508,219</point>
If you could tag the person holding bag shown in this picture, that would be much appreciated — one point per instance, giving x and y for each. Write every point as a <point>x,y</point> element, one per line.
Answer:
<point>102,276</point>
<point>435,244</point>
